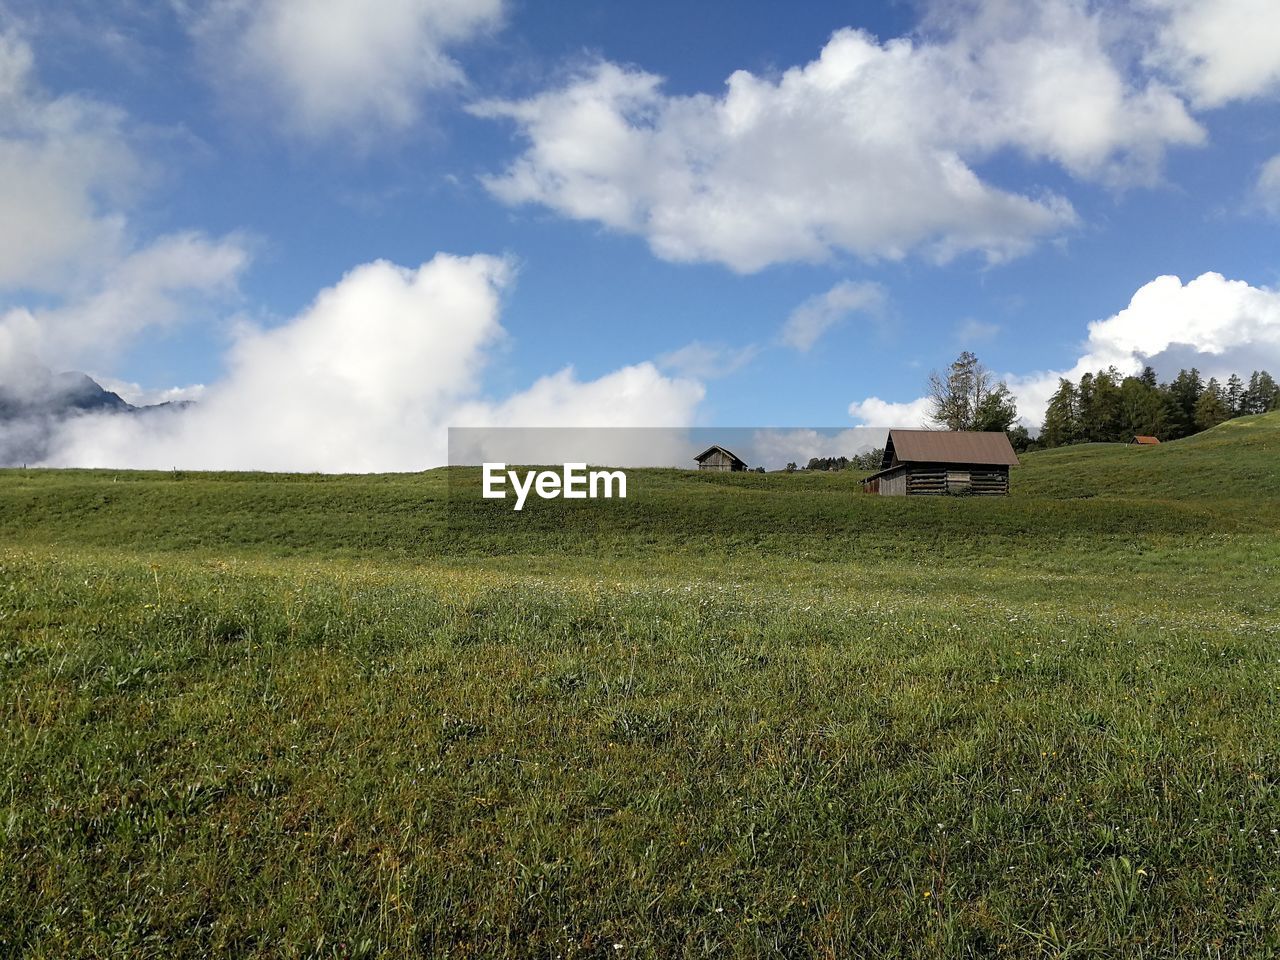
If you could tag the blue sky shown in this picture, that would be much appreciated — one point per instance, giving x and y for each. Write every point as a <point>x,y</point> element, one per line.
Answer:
<point>990,176</point>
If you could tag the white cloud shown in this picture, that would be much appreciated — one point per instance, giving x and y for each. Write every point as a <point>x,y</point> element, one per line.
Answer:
<point>870,149</point>
<point>634,396</point>
<point>367,378</point>
<point>1221,326</point>
<point>331,66</point>
<point>874,412</point>
<point>1211,315</point>
<point>1267,189</point>
<point>1050,79</point>
<point>707,361</point>
<point>809,321</point>
<point>150,288</point>
<point>1220,50</point>
<point>62,161</point>
<point>67,168</point>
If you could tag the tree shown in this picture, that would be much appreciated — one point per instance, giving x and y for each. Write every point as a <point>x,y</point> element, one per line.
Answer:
<point>870,460</point>
<point>1211,409</point>
<point>1264,394</point>
<point>1020,439</point>
<point>1184,393</point>
<point>969,398</point>
<point>1144,409</point>
<point>1103,419</point>
<point>1061,421</point>
<point>791,467</point>
<point>996,411</point>
<point>1084,407</point>
<point>1233,396</point>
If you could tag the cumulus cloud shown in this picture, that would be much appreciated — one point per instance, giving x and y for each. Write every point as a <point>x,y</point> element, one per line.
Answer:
<point>809,321</point>
<point>872,148</point>
<point>1219,50</point>
<point>330,66</point>
<point>1221,326</point>
<point>874,412</point>
<point>368,378</point>
<point>63,162</point>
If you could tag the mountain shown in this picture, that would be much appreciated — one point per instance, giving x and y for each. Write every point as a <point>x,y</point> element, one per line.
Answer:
<point>36,400</point>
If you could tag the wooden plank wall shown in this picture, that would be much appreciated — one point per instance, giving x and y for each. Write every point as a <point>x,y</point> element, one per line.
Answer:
<point>935,480</point>
<point>717,461</point>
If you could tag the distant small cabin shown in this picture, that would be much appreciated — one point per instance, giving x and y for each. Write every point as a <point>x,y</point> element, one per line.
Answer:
<point>716,457</point>
<point>1144,441</point>
<point>939,462</point>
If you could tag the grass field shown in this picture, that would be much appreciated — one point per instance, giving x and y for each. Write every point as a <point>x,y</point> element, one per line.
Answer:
<point>255,715</point>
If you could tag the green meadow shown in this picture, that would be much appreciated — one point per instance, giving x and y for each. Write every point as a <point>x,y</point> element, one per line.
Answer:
<point>259,715</point>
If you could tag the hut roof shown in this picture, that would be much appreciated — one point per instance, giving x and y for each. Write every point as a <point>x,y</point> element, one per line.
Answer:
<point>715,447</point>
<point>1145,441</point>
<point>948,446</point>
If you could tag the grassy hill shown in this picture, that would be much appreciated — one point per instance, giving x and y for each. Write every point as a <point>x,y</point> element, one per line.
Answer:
<point>742,715</point>
<point>1227,478</point>
<point>1237,461</point>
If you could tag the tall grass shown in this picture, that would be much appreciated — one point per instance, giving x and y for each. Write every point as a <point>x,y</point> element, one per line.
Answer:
<point>335,717</point>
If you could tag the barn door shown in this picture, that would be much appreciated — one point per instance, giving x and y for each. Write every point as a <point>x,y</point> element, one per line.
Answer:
<point>959,481</point>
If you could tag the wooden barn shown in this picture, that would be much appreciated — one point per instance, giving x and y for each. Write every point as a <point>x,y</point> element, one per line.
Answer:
<point>1141,441</point>
<point>939,462</point>
<point>716,457</point>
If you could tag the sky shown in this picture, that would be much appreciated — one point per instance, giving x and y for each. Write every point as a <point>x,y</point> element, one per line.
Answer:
<point>344,227</point>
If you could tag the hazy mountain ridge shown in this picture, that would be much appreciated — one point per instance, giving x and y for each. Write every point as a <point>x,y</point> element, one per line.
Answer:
<point>31,408</point>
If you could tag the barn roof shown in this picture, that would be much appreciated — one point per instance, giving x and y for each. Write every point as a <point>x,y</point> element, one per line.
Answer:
<point>1146,441</point>
<point>949,446</point>
<point>716,447</point>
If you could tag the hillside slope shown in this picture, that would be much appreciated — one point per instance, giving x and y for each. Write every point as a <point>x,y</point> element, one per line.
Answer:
<point>1239,459</point>
<point>261,715</point>
<point>1225,480</point>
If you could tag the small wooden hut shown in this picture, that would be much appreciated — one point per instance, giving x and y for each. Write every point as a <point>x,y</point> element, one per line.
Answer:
<point>939,462</point>
<point>716,457</point>
<point>1141,441</point>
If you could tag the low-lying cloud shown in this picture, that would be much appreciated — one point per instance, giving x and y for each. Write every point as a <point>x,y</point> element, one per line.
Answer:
<point>368,378</point>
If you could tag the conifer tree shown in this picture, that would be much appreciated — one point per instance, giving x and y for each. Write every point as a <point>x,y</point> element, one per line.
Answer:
<point>1106,412</point>
<point>1184,392</point>
<point>1061,422</point>
<point>1266,393</point>
<point>1211,408</point>
<point>1144,408</point>
<point>1233,395</point>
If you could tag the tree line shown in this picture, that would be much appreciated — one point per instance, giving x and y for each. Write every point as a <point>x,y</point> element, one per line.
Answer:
<point>1103,407</point>
<point>1107,407</point>
<point>868,460</point>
